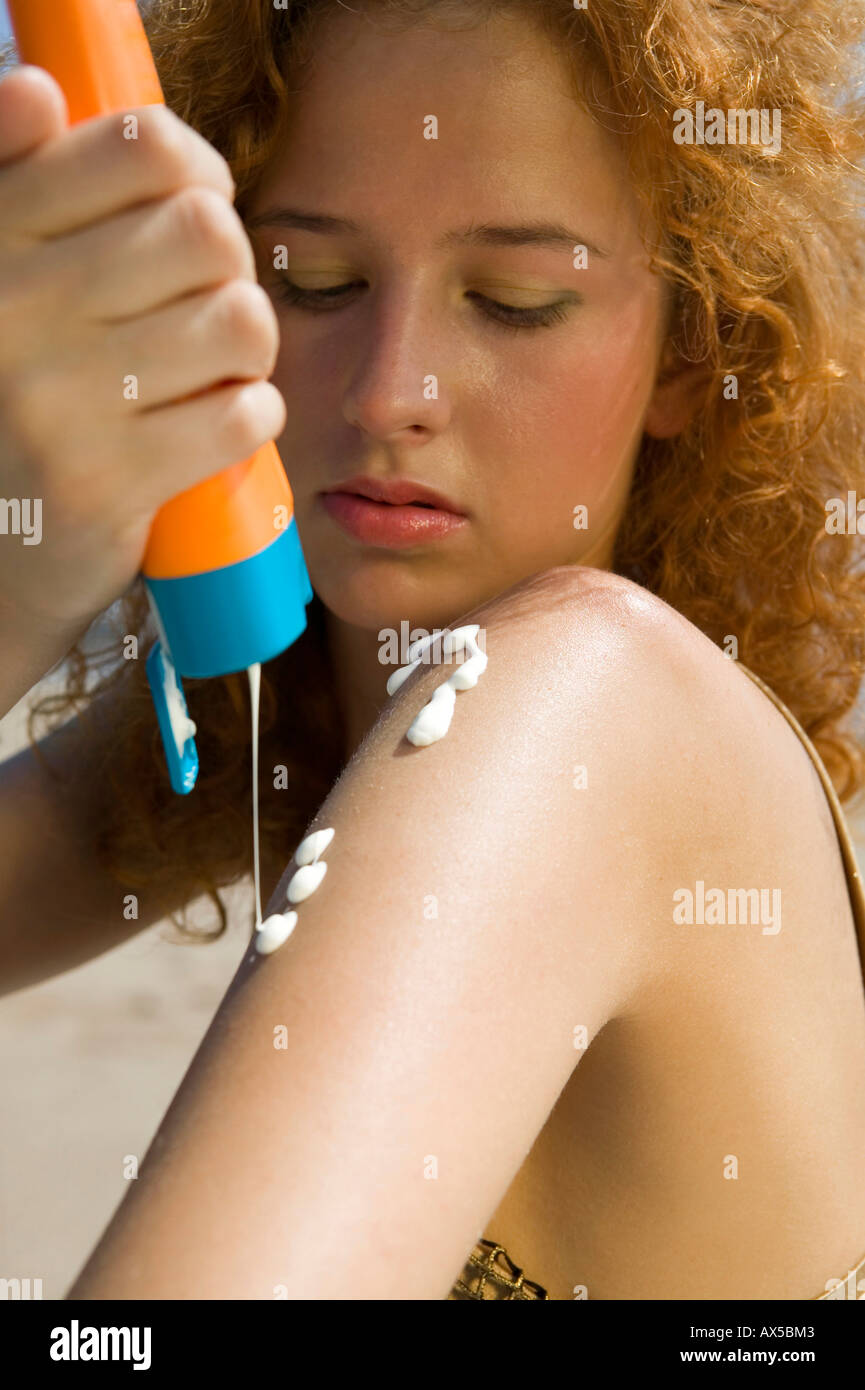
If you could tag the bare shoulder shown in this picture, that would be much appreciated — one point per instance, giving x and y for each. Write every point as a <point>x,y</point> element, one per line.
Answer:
<point>714,764</point>
<point>580,651</point>
<point>604,740</point>
<point>631,725</point>
<point>574,612</point>
<point>692,696</point>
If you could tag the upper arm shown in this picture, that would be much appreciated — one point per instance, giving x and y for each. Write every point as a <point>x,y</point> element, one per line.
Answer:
<point>366,1094</point>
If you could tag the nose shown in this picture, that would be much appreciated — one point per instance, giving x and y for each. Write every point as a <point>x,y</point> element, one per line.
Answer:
<point>396,387</point>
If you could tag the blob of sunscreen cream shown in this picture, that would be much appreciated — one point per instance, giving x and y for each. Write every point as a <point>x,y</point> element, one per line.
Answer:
<point>435,718</point>
<point>305,881</point>
<point>310,872</point>
<point>311,849</point>
<point>272,933</point>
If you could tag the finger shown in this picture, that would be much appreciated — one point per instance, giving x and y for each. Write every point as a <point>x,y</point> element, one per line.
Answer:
<point>140,260</point>
<point>189,346</point>
<point>33,109</point>
<point>184,443</point>
<point>104,166</point>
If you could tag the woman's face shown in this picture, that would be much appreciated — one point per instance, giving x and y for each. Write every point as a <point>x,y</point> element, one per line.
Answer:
<point>518,414</point>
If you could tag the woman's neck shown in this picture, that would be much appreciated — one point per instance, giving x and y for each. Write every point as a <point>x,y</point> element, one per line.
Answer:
<point>360,678</point>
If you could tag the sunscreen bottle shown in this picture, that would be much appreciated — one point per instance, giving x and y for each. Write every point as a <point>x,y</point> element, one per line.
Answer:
<point>224,568</point>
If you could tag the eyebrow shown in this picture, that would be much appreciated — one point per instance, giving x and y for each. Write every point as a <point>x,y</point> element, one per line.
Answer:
<point>551,236</point>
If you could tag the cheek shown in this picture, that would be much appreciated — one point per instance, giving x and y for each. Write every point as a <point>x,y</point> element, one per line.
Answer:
<point>309,385</point>
<point>303,372</point>
<point>576,408</point>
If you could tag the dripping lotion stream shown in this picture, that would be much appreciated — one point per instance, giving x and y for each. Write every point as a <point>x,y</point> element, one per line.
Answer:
<point>254,674</point>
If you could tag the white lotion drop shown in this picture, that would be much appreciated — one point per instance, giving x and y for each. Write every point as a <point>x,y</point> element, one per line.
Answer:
<point>459,638</point>
<point>465,676</point>
<point>435,718</point>
<point>274,932</point>
<point>313,846</point>
<point>400,675</point>
<point>304,883</point>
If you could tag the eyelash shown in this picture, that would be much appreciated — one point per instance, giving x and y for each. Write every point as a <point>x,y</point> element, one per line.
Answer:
<point>316,301</point>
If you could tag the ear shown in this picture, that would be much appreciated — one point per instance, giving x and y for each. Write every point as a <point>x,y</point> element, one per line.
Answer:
<point>680,389</point>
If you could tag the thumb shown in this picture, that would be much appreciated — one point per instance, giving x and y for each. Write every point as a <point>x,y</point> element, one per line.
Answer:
<point>33,109</point>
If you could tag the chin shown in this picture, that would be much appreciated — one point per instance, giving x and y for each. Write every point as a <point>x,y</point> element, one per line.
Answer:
<point>380,591</point>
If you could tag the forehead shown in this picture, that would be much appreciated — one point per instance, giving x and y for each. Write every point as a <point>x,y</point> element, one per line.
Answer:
<point>510,134</point>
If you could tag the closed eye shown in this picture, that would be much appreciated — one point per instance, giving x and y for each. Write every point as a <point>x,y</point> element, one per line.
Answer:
<point>506,315</point>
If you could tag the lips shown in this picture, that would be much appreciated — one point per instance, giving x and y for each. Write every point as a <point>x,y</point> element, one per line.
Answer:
<point>397,492</point>
<point>390,523</point>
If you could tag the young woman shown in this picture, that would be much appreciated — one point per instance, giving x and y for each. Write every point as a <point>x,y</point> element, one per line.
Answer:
<point>523,1041</point>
